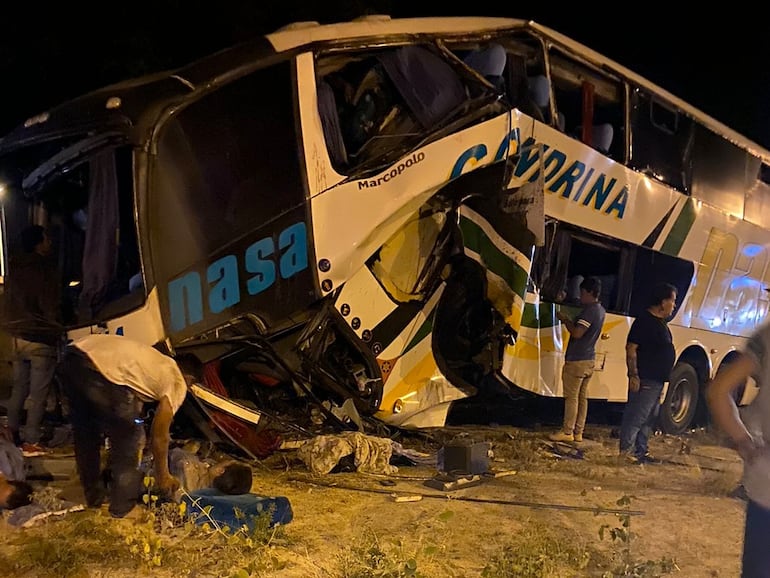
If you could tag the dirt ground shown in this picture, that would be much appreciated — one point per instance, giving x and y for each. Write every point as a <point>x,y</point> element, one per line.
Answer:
<point>545,514</point>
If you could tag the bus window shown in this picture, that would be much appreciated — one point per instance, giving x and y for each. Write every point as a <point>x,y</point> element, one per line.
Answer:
<point>589,105</point>
<point>514,66</point>
<point>719,171</point>
<point>660,141</point>
<point>651,267</point>
<point>757,207</point>
<point>590,257</point>
<point>627,272</point>
<point>82,192</point>
<point>570,255</point>
<point>377,105</point>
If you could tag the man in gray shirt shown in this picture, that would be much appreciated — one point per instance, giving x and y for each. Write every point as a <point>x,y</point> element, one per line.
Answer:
<point>584,331</point>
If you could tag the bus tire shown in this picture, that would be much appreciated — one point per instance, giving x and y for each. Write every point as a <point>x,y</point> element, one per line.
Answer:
<point>681,402</point>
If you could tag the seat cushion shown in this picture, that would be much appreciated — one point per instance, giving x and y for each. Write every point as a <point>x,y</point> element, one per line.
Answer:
<point>224,506</point>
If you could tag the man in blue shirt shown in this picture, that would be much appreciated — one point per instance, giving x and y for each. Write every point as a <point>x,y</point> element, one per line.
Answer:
<point>584,331</point>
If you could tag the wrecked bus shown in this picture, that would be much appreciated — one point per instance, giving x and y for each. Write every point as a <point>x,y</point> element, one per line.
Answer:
<point>358,224</point>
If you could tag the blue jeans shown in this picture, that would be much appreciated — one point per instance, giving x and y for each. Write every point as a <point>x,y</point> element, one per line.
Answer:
<point>33,368</point>
<point>639,417</point>
<point>99,409</point>
<point>756,542</point>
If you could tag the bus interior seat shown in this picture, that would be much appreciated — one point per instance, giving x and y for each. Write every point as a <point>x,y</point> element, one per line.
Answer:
<point>136,282</point>
<point>489,62</point>
<point>540,90</point>
<point>602,135</point>
<point>572,290</point>
<point>330,123</point>
<point>561,121</point>
<point>427,83</point>
<point>608,294</point>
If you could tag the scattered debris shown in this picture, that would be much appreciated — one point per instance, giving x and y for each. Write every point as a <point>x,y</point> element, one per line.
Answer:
<point>525,504</point>
<point>321,454</point>
<point>465,456</point>
<point>412,498</point>
<point>448,482</point>
<point>500,473</point>
<point>563,450</point>
<point>291,444</point>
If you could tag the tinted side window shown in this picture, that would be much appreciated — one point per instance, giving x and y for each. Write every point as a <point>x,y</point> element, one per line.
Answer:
<point>660,141</point>
<point>227,164</point>
<point>627,272</point>
<point>720,171</point>
<point>570,255</point>
<point>757,207</point>
<point>652,267</point>
<point>228,202</point>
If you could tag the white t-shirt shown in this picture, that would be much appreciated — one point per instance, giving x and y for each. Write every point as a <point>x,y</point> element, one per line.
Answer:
<point>756,475</point>
<point>142,368</point>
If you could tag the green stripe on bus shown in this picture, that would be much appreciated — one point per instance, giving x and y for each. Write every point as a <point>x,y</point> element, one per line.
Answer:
<point>493,258</point>
<point>424,330</point>
<point>676,237</point>
<point>538,317</point>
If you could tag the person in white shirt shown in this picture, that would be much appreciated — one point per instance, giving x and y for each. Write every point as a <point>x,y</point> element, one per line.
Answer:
<point>108,379</point>
<point>751,442</point>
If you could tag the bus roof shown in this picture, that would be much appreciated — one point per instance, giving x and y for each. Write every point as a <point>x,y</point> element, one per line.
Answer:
<point>143,98</point>
<point>302,33</point>
<point>620,70</point>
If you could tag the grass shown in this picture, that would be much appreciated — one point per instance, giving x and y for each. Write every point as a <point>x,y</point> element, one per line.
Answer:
<point>373,556</point>
<point>161,539</point>
<point>419,541</point>
<point>539,552</point>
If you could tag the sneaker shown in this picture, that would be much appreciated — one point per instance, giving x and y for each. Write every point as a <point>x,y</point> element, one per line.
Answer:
<point>648,458</point>
<point>561,437</point>
<point>29,450</point>
<point>578,437</point>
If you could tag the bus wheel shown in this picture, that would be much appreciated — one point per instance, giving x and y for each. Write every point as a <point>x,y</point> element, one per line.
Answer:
<point>679,406</point>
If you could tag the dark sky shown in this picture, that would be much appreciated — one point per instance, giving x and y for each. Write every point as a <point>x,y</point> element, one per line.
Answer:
<point>49,52</point>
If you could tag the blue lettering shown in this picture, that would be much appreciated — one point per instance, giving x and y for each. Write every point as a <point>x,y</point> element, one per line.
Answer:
<point>557,157</point>
<point>576,198</point>
<point>530,155</point>
<point>257,261</point>
<point>185,301</point>
<point>513,136</point>
<point>599,192</point>
<point>474,153</point>
<point>294,259</point>
<point>570,183</point>
<point>568,178</point>
<point>226,292</point>
<point>224,281</point>
<point>619,203</point>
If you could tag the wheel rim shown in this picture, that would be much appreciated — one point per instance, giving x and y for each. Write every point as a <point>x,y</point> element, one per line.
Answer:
<point>680,401</point>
